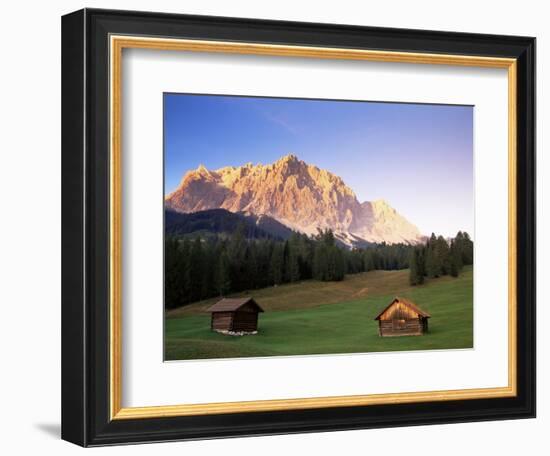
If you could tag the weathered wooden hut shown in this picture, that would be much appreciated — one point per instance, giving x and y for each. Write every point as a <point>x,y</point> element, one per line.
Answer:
<point>235,315</point>
<point>402,317</point>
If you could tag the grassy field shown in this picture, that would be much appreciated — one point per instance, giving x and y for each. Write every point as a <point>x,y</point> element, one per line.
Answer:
<point>330,317</point>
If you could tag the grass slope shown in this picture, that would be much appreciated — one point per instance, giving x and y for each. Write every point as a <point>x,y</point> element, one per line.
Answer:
<point>316,317</point>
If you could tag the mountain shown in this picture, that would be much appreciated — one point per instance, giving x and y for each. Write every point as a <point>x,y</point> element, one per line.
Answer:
<point>220,221</point>
<point>296,194</point>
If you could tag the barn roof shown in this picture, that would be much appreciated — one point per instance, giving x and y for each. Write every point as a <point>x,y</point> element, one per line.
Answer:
<point>409,304</point>
<point>232,304</point>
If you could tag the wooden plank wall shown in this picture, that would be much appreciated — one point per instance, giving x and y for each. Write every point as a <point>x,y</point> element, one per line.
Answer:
<point>411,327</point>
<point>222,320</point>
<point>245,321</point>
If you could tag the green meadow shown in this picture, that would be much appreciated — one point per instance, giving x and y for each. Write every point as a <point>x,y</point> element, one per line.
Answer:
<point>315,317</point>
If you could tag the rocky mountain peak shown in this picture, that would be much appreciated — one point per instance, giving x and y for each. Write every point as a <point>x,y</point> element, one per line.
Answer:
<point>289,158</point>
<point>382,206</point>
<point>296,194</point>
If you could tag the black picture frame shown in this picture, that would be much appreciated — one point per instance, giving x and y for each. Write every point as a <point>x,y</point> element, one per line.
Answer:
<point>85,225</point>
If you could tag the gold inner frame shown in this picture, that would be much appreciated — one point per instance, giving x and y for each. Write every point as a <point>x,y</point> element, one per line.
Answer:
<point>117,44</point>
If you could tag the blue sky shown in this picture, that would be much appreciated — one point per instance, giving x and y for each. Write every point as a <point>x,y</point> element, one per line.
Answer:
<point>417,157</point>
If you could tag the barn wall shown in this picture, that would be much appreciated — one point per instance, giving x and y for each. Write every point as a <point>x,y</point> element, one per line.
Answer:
<point>410,327</point>
<point>222,320</point>
<point>245,321</point>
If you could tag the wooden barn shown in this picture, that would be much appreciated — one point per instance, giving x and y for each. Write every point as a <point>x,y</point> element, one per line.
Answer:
<point>402,317</point>
<point>235,315</point>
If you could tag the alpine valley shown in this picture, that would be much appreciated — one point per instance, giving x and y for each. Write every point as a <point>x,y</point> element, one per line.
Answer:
<point>283,196</point>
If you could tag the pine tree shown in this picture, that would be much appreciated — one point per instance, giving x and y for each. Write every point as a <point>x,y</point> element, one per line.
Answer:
<point>429,259</point>
<point>455,259</point>
<point>416,274</point>
<point>320,262</point>
<point>413,270</point>
<point>172,292</point>
<point>420,265</point>
<point>212,266</point>
<point>293,267</point>
<point>442,255</point>
<point>336,264</point>
<point>368,261</point>
<point>467,250</point>
<point>286,262</point>
<point>435,256</point>
<point>223,274</point>
<point>277,264</point>
<point>196,270</point>
<point>251,267</point>
<point>209,267</point>
<point>184,279</point>
<point>263,261</point>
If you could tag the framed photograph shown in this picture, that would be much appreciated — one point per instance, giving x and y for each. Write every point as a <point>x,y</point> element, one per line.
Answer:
<point>278,227</point>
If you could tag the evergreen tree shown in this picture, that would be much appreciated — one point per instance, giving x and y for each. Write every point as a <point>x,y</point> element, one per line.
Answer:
<point>455,259</point>
<point>185,270</point>
<point>210,266</point>
<point>442,256</point>
<point>196,270</point>
<point>339,270</point>
<point>429,261</point>
<point>434,260</point>
<point>421,264</point>
<point>263,257</point>
<point>251,267</point>
<point>276,267</point>
<point>320,262</point>
<point>413,270</point>
<point>416,273</point>
<point>368,260</point>
<point>293,266</point>
<point>172,276</point>
<point>223,274</point>
<point>466,247</point>
<point>328,261</point>
<point>236,250</point>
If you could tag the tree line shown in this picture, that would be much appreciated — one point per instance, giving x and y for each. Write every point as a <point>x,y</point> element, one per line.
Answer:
<point>438,257</point>
<point>204,267</point>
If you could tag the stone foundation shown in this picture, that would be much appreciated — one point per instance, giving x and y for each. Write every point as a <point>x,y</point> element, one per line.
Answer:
<point>236,333</point>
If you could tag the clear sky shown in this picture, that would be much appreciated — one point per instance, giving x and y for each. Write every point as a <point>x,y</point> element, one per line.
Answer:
<point>417,157</point>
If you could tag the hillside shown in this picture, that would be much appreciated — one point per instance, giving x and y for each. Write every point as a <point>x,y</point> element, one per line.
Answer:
<point>312,293</point>
<point>220,221</point>
<point>315,318</point>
